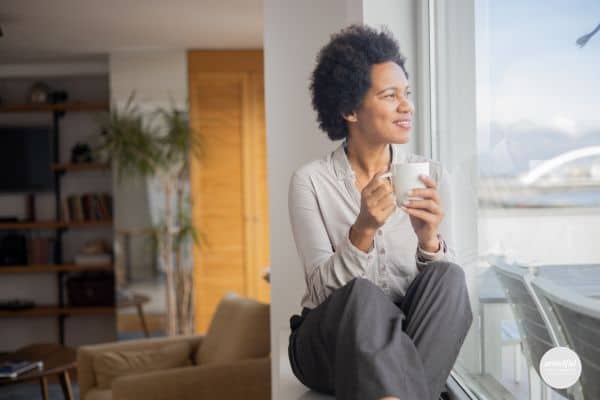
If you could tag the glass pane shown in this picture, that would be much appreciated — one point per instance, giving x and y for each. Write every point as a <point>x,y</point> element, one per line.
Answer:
<point>541,146</point>
<point>538,152</point>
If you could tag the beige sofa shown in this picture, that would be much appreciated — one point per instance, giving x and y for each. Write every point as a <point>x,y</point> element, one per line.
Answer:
<point>231,362</point>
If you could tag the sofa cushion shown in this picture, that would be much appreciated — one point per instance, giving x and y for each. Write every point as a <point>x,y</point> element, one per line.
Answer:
<point>238,330</point>
<point>113,364</point>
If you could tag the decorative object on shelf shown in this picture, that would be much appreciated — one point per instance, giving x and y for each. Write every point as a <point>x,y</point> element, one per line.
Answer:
<point>159,145</point>
<point>39,93</point>
<point>81,153</point>
<point>95,252</point>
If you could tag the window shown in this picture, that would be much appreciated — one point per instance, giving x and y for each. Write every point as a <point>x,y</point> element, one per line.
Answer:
<point>514,98</point>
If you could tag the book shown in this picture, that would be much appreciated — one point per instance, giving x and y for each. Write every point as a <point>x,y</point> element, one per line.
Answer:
<point>87,207</point>
<point>13,369</point>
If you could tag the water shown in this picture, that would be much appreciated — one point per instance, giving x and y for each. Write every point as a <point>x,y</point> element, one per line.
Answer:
<point>583,198</point>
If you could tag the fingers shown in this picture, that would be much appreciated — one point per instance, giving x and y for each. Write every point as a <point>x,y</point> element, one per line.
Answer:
<point>424,215</point>
<point>430,183</point>
<point>389,209</point>
<point>426,204</point>
<point>377,189</point>
<point>382,191</point>
<point>378,180</point>
<point>426,194</point>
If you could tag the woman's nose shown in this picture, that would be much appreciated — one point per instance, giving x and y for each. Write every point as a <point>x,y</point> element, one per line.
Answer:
<point>405,105</point>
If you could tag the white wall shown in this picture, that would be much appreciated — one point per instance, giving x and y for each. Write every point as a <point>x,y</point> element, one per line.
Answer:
<point>294,33</point>
<point>158,79</point>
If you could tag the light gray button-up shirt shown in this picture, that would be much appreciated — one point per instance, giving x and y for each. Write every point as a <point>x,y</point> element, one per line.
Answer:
<point>324,203</point>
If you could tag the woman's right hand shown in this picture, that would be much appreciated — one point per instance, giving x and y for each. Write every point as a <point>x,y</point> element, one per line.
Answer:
<point>377,203</point>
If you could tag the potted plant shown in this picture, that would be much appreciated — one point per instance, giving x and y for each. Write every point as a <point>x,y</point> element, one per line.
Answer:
<point>160,145</point>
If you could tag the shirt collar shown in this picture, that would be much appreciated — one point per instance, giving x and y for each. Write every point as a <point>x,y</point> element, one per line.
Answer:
<point>342,167</point>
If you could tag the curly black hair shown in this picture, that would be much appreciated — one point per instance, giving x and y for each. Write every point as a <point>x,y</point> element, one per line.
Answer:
<point>343,73</point>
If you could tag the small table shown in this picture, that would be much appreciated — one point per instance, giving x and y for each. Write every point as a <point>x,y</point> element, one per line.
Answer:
<point>57,359</point>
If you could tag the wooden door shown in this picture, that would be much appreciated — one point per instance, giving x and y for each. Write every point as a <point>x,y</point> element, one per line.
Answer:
<point>229,186</point>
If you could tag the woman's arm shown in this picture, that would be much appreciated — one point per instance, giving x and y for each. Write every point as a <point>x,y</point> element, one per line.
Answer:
<point>445,251</point>
<point>327,266</point>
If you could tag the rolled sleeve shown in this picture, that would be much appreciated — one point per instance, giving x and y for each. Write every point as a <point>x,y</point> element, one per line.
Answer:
<point>327,267</point>
<point>424,257</point>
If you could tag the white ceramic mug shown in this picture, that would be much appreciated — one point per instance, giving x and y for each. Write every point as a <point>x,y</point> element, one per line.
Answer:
<point>405,177</point>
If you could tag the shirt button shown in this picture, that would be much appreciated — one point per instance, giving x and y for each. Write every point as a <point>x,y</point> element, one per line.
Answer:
<point>382,251</point>
<point>380,232</point>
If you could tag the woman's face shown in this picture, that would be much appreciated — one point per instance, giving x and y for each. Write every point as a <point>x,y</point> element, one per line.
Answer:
<point>385,114</point>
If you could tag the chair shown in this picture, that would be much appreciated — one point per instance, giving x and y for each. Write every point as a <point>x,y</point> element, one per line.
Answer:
<point>577,317</point>
<point>534,326</point>
<point>231,361</point>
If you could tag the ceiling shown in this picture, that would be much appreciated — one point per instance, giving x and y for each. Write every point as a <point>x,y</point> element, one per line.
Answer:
<point>85,30</point>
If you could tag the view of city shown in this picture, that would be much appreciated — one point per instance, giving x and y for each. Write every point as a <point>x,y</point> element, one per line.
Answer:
<point>541,144</point>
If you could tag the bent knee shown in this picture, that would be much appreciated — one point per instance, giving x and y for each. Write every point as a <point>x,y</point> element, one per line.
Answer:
<point>451,278</point>
<point>363,288</point>
<point>361,285</point>
<point>448,271</point>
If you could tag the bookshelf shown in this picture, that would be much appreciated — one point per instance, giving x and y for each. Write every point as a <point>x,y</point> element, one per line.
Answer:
<point>51,268</point>
<point>60,107</point>
<point>51,225</point>
<point>55,311</point>
<point>61,222</point>
<point>64,167</point>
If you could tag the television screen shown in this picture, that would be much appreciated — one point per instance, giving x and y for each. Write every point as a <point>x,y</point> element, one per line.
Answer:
<point>25,159</point>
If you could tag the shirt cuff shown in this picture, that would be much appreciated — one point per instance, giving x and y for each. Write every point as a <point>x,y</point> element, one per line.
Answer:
<point>363,260</point>
<point>424,257</point>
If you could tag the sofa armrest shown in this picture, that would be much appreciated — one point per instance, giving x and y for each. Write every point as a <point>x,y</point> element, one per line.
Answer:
<point>245,379</point>
<point>85,355</point>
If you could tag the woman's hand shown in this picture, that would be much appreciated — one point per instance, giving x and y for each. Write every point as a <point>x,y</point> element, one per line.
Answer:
<point>425,215</point>
<point>377,203</point>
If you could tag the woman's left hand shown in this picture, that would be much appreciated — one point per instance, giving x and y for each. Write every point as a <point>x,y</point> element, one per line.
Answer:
<point>425,215</point>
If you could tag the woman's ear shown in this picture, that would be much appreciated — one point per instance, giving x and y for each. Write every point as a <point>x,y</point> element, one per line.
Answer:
<point>350,117</point>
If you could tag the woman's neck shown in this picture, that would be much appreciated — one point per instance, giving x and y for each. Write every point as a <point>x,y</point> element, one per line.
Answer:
<point>367,160</point>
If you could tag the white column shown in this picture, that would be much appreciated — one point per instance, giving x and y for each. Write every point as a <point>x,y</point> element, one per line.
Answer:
<point>294,31</point>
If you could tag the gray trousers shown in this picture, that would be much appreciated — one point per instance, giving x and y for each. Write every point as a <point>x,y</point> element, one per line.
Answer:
<point>358,344</point>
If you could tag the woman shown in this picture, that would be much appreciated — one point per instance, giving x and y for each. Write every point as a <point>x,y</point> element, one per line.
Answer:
<point>385,312</point>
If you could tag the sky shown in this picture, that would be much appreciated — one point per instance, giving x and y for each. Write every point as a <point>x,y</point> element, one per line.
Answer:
<point>536,72</point>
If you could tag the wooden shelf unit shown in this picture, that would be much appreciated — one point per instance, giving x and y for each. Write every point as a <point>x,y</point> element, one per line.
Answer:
<point>61,310</point>
<point>60,107</point>
<point>55,311</point>
<point>80,166</point>
<point>53,224</point>
<point>38,269</point>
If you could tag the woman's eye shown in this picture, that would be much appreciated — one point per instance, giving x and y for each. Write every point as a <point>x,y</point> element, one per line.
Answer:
<point>409,93</point>
<point>390,96</point>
